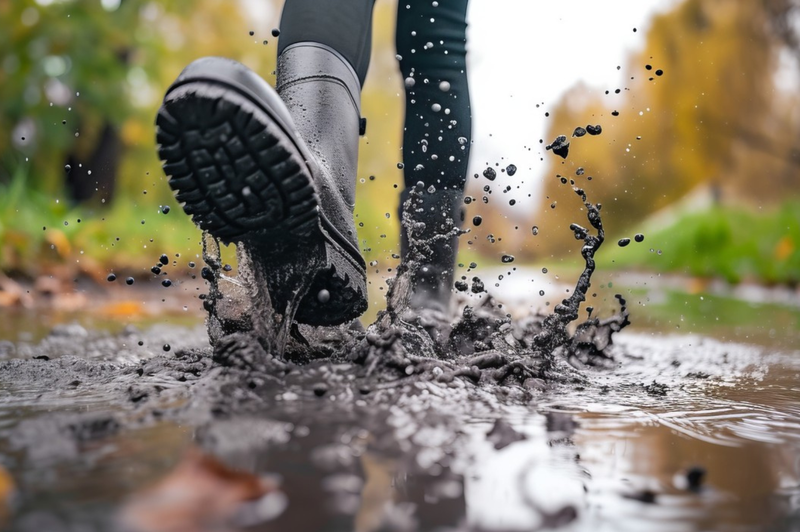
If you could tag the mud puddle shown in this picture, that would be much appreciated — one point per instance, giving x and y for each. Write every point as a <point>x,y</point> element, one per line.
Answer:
<point>682,433</point>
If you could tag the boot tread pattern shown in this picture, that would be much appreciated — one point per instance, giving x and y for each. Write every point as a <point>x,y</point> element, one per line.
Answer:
<point>241,178</point>
<point>235,175</point>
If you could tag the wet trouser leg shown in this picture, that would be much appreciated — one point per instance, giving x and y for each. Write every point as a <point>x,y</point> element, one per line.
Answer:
<point>344,25</point>
<point>431,42</point>
<point>436,140</point>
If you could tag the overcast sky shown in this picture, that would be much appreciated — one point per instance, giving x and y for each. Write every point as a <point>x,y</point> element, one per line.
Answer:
<point>527,52</point>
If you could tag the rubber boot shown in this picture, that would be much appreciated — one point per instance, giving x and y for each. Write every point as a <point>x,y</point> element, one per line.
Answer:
<point>274,172</point>
<point>432,219</point>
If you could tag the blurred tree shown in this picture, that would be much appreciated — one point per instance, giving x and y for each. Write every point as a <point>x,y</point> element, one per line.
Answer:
<point>80,80</point>
<point>701,107</point>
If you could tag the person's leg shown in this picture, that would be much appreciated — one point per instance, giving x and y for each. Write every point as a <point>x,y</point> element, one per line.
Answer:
<point>344,26</point>
<point>431,43</point>
<point>274,170</point>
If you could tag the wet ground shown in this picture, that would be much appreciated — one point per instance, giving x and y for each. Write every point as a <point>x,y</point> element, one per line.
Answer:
<point>682,432</point>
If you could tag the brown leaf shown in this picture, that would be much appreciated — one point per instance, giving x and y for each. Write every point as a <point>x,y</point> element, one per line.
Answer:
<point>200,494</point>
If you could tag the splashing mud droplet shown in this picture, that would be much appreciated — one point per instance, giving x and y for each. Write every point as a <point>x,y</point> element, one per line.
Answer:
<point>489,173</point>
<point>639,237</point>
<point>535,230</point>
<point>623,242</point>
<point>579,132</point>
<point>511,169</point>
<point>560,146</point>
<point>594,130</point>
<point>166,283</point>
<point>477,220</point>
<point>507,259</point>
<point>163,259</point>
<point>111,278</point>
<point>167,347</point>
<point>129,281</point>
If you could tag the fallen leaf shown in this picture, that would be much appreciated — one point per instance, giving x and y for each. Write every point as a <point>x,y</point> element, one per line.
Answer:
<point>200,494</point>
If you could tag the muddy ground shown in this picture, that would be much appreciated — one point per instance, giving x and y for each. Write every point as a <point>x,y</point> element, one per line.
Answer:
<point>101,433</point>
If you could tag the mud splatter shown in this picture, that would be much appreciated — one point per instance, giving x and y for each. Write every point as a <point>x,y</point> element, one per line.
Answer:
<point>483,345</point>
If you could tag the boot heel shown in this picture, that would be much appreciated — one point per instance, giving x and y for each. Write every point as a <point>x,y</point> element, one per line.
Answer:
<point>339,289</point>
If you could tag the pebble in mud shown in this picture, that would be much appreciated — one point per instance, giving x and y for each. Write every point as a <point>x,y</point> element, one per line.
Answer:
<point>489,173</point>
<point>594,130</point>
<point>560,146</point>
<point>623,242</point>
<point>639,237</point>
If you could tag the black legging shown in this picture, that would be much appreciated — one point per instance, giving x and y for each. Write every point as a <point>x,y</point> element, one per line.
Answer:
<point>431,41</point>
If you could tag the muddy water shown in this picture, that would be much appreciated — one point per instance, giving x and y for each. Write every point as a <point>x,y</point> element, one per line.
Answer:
<point>610,453</point>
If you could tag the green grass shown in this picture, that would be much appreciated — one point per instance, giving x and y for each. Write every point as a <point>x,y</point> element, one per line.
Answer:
<point>41,234</point>
<point>733,243</point>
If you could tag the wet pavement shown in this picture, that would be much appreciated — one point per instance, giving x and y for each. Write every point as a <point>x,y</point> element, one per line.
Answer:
<point>681,432</point>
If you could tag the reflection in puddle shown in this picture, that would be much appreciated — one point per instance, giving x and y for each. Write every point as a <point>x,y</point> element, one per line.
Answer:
<point>615,455</point>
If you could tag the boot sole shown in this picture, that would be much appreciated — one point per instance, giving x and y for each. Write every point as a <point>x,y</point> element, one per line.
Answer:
<point>242,178</point>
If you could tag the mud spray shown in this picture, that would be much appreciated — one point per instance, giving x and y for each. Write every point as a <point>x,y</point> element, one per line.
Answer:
<point>484,345</point>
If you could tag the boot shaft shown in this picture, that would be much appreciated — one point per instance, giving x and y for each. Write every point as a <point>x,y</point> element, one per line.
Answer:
<point>432,220</point>
<point>323,95</point>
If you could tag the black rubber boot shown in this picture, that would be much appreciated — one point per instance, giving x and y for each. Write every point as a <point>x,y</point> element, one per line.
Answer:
<point>274,172</point>
<point>433,218</point>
